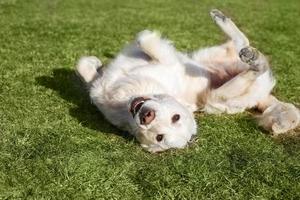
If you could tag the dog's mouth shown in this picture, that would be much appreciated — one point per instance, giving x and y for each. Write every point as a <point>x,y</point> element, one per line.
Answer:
<point>136,104</point>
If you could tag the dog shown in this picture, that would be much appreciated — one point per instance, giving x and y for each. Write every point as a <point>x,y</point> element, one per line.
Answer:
<point>152,90</point>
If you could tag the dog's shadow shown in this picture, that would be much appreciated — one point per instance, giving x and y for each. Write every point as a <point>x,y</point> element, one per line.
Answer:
<point>69,87</point>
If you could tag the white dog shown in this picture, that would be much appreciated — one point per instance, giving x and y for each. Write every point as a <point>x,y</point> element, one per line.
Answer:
<point>152,90</point>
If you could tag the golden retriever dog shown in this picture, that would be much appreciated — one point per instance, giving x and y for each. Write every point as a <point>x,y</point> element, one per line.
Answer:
<point>152,90</point>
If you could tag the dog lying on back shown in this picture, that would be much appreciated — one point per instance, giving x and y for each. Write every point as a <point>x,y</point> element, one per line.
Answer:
<point>151,90</point>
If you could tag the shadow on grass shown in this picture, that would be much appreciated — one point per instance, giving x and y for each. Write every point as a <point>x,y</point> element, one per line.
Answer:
<point>70,88</point>
<point>290,141</point>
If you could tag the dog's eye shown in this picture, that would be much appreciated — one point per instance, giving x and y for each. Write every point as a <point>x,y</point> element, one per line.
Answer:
<point>159,137</point>
<point>175,118</point>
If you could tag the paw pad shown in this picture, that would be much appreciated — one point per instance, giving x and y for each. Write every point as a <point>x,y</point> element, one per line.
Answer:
<point>248,55</point>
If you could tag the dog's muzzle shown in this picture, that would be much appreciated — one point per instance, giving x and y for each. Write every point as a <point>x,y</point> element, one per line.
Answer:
<point>146,114</point>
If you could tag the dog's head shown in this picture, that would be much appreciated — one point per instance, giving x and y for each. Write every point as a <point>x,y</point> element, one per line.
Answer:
<point>160,122</point>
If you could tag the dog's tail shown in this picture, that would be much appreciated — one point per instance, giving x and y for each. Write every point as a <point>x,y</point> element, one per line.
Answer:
<point>88,69</point>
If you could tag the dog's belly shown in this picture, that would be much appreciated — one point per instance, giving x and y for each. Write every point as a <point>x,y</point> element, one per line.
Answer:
<point>222,71</point>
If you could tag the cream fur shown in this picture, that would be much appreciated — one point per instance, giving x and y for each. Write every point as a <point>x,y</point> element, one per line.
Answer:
<point>223,79</point>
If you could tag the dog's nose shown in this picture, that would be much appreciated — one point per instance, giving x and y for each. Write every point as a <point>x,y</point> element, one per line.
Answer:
<point>147,115</point>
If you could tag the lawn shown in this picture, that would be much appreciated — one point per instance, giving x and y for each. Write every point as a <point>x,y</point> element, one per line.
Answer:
<point>55,145</point>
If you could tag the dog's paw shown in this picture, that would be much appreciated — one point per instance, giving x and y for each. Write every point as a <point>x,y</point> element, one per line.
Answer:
<point>88,67</point>
<point>249,55</point>
<point>217,16</point>
<point>147,37</point>
<point>280,118</point>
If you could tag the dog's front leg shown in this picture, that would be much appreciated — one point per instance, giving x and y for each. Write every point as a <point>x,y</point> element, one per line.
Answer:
<point>160,50</point>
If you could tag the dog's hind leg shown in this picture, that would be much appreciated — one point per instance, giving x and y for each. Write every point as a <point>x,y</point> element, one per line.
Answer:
<point>253,83</point>
<point>230,29</point>
<point>278,117</point>
<point>245,89</point>
<point>160,50</point>
<point>242,92</point>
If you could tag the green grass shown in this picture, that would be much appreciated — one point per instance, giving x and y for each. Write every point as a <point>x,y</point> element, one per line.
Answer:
<point>55,145</point>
